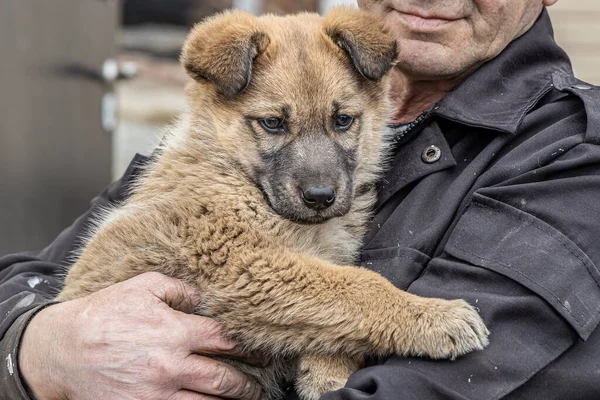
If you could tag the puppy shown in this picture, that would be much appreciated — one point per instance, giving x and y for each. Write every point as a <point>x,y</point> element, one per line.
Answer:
<point>260,196</point>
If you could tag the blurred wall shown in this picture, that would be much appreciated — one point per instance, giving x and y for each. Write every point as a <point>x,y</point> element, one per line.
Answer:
<point>54,153</point>
<point>577,29</point>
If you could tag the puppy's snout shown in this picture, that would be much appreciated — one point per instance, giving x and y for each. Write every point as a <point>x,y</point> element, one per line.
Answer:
<point>318,197</point>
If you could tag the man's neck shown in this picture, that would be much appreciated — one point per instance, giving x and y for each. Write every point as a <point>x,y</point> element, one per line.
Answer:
<point>412,97</point>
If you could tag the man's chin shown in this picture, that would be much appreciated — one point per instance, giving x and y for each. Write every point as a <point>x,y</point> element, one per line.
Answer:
<point>429,60</point>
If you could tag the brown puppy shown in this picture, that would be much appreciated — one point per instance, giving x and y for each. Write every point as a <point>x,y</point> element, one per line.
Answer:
<point>263,190</point>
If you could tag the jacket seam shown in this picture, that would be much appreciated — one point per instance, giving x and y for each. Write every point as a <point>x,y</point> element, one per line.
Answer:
<point>538,97</point>
<point>529,278</point>
<point>551,234</point>
<point>596,311</point>
<point>399,252</point>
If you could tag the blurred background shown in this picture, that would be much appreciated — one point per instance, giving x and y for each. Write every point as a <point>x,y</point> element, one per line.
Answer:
<point>86,84</point>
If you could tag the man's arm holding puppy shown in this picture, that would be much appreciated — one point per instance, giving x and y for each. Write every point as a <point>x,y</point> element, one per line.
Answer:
<point>49,349</point>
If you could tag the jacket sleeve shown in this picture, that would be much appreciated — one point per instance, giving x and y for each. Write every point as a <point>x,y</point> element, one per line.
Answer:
<point>29,282</point>
<point>525,253</point>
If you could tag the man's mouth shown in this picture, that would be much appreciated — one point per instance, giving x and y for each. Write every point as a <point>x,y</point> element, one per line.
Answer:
<point>424,22</point>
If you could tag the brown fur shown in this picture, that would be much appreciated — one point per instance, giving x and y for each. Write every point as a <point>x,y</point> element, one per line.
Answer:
<point>203,211</point>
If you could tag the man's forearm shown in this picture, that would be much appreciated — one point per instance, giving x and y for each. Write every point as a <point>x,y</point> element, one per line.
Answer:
<point>11,382</point>
<point>26,286</point>
<point>29,282</point>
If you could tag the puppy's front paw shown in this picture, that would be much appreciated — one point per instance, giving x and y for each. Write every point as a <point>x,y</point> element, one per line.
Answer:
<point>309,389</point>
<point>447,329</point>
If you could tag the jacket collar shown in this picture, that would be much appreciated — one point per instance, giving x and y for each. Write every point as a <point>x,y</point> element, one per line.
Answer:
<point>499,94</point>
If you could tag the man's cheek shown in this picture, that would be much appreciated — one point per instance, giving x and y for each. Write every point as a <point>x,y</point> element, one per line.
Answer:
<point>375,6</point>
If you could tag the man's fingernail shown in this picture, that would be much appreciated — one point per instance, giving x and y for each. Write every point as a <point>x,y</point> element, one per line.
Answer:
<point>252,390</point>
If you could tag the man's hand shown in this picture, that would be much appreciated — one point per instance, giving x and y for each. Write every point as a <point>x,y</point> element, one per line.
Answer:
<point>133,340</point>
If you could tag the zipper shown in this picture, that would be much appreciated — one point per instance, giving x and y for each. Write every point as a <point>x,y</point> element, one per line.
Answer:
<point>408,130</point>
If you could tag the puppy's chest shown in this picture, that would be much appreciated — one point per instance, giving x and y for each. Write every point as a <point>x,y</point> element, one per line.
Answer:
<point>334,241</point>
<point>214,238</point>
<point>218,238</point>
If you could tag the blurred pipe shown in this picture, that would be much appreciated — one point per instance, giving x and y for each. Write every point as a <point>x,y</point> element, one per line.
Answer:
<point>252,6</point>
<point>325,5</point>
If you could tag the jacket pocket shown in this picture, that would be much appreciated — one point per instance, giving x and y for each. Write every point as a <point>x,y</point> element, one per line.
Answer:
<point>506,240</point>
<point>400,265</point>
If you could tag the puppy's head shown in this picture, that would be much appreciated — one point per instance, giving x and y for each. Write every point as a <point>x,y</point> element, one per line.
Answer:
<point>299,103</point>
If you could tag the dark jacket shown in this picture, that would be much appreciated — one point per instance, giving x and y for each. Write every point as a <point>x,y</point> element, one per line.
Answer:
<point>507,218</point>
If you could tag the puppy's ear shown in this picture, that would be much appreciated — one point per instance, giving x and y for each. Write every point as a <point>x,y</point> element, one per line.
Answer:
<point>372,49</point>
<point>222,50</point>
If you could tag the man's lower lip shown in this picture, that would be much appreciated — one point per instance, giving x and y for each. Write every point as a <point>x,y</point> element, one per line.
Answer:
<point>417,23</point>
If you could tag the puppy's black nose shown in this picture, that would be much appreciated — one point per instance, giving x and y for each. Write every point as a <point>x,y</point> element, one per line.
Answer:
<point>318,197</point>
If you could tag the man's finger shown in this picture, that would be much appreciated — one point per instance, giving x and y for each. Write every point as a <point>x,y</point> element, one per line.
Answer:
<point>205,336</point>
<point>205,375</point>
<point>175,293</point>
<point>187,395</point>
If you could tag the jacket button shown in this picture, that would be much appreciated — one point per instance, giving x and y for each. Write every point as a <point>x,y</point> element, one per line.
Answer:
<point>581,86</point>
<point>431,154</point>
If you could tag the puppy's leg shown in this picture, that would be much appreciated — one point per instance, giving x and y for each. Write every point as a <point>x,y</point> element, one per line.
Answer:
<point>320,374</point>
<point>271,378</point>
<point>288,303</point>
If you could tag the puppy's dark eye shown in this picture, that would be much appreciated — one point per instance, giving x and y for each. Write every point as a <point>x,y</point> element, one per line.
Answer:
<point>343,122</point>
<point>272,124</point>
